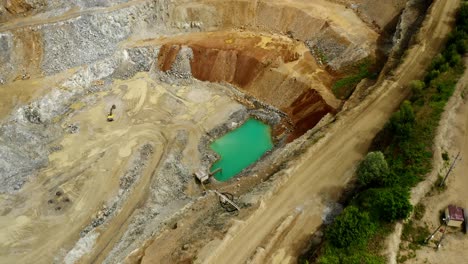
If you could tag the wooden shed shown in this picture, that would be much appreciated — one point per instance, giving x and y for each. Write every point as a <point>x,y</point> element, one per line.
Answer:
<point>454,216</point>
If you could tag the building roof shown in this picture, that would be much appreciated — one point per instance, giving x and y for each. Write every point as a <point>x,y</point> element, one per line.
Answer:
<point>202,175</point>
<point>456,213</point>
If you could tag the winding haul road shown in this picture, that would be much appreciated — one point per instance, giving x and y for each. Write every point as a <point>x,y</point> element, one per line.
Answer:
<point>288,217</point>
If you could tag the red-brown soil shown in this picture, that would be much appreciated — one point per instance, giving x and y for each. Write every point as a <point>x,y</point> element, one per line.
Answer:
<point>276,71</point>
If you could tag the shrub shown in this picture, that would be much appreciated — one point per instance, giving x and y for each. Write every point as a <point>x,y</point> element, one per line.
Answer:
<point>462,18</point>
<point>419,211</point>
<point>438,61</point>
<point>417,84</point>
<point>431,76</point>
<point>402,122</point>
<point>445,156</point>
<point>387,204</point>
<point>417,88</point>
<point>352,227</point>
<point>329,256</point>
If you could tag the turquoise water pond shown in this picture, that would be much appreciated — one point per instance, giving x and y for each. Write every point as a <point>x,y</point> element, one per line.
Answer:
<point>240,148</point>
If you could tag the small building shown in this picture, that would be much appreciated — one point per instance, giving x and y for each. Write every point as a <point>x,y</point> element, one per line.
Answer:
<point>454,216</point>
<point>202,176</point>
<point>466,221</point>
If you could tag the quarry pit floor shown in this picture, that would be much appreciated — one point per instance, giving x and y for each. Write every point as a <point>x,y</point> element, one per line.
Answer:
<point>83,175</point>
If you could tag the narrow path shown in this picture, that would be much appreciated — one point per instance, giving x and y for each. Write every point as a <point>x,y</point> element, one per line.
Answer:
<point>329,165</point>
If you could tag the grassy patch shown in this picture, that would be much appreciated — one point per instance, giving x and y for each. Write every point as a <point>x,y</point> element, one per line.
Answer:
<point>344,87</point>
<point>323,59</point>
<point>413,237</point>
<point>415,234</point>
<point>419,211</point>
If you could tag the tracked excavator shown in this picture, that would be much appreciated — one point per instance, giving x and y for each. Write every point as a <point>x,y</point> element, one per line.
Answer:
<point>110,116</point>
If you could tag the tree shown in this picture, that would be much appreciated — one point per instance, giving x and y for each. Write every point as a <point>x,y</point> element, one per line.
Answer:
<point>352,227</point>
<point>438,61</point>
<point>462,18</point>
<point>387,204</point>
<point>373,170</point>
<point>402,122</point>
<point>417,88</point>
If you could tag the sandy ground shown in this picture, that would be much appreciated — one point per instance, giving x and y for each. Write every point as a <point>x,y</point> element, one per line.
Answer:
<point>326,168</point>
<point>375,13</point>
<point>455,243</point>
<point>88,167</point>
<point>25,91</point>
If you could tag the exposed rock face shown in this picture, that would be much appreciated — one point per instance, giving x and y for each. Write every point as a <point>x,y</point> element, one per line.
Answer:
<point>320,21</point>
<point>67,41</point>
<point>262,73</point>
<point>87,39</point>
<point>84,34</point>
<point>17,6</point>
<point>6,56</point>
<point>231,66</point>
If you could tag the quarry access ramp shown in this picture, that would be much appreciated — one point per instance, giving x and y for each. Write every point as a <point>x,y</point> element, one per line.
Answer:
<point>294,210</point>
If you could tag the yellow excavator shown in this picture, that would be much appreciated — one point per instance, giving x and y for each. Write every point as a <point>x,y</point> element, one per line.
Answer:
<point>110,116</point>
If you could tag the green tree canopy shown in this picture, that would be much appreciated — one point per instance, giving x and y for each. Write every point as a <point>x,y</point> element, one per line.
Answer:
<point>386,204</point>
<point>402,122</point>
<point>352,227</point>
<point>373,170</point>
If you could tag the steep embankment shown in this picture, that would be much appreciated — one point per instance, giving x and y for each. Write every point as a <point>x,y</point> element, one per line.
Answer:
<point>276,70</point>
<point>294,78</point>
<point>332,29</point>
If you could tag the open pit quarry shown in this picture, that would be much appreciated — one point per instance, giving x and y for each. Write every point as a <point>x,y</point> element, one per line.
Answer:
<point>75,188</point>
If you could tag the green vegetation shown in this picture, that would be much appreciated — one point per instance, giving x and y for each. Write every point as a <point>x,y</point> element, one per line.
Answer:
<point>413,237</point>
<point>419,211</point>
<point>344,87</point>
<point>350,228</point>
<point>373,170</point>
<point>445,156</point>
<point>386,204</point>
<point>402,156</point>
<point>321,55</point>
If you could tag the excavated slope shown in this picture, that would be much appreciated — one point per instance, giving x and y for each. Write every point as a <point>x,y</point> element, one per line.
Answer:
<point>277,71</point>
<point>334,29</point>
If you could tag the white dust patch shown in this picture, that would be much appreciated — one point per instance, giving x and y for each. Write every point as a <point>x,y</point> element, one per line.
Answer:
<point>83,246</point>
<point>330,212</point>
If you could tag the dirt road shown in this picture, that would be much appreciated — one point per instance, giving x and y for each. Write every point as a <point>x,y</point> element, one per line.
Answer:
<point>295,210</point>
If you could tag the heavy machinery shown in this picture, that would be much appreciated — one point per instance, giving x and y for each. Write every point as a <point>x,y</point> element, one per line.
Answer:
<point>110,116</point>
